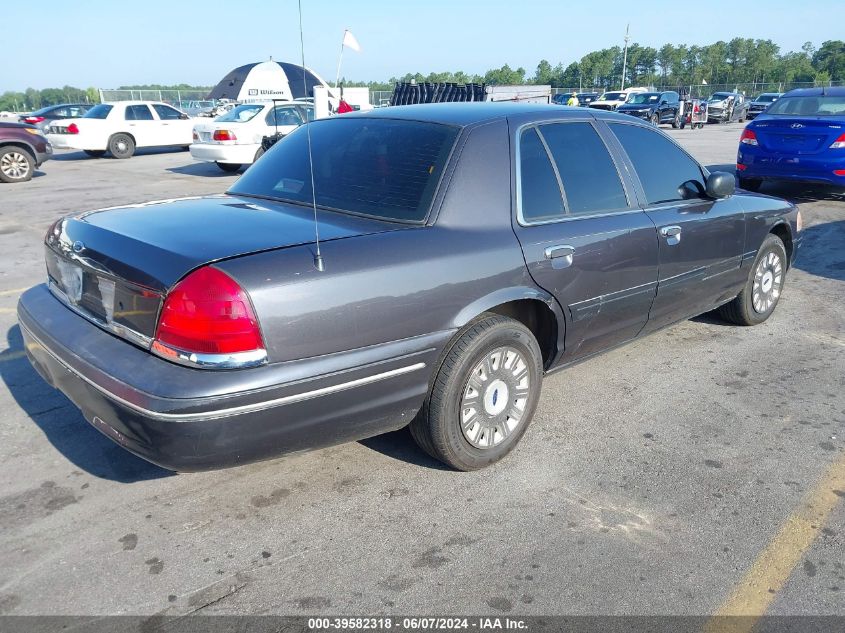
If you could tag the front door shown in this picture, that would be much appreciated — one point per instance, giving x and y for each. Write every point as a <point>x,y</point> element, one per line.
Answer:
<point>583,237</point>
<point>700,239</point>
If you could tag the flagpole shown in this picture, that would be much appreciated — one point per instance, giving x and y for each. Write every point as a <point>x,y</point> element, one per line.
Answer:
<point>340,58</point>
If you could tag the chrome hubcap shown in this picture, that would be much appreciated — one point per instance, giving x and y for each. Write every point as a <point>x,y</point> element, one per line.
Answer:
<point>14,165</point>
<point>767,283</point>
<point>495,397</point>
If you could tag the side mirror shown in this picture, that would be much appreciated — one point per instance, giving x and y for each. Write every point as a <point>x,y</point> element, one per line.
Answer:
<point>184,116</point>
<point>664,101</point>
<point>720,184</point>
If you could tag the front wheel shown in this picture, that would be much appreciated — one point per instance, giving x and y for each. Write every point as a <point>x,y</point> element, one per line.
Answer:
<point>16,164</point>
<point>229,167</point>
<point>655,120</point>
<point>762,290</point>
<point>483,396</point>
<point>676,122</point>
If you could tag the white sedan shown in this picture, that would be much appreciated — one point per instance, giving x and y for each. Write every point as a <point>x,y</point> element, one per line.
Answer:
<point>121,127</point>
<point>234,139</point>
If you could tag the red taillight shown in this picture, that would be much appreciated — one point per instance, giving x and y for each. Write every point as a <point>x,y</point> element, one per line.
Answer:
<point>838,143</point>
<point>224,135</point>
<point>72,129</point>
<point>748,137</point>
<point>839,172</point>
<point>33,119</point>
<point>208,313</point>
<point>741,167</point>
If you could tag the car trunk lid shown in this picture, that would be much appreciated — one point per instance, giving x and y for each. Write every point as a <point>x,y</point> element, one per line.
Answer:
<point>790,135</point>
<point>114,266</point>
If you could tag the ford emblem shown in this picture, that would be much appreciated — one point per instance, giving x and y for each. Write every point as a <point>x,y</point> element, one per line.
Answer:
<point>78,246</point>
<point>797,126</point>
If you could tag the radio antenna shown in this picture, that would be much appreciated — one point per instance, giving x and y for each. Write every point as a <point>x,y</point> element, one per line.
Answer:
<point>318,258</point>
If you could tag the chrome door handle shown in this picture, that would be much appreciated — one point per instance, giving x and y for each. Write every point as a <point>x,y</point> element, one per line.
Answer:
<point>553,252</point>
<point>672,234</point>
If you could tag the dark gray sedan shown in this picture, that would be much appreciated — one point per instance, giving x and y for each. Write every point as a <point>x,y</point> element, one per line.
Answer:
<point>465,250</point>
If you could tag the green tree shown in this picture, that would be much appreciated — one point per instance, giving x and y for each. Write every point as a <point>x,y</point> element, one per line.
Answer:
<point>830,58</point>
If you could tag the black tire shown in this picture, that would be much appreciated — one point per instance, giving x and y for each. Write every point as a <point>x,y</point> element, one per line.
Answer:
<point>676,122</point>
<point>750,184</point>
<point>258,154</point>
<point>654,119</point>
<point>229,167</point>
<point>750,307</point>
<point>121,146</point>
<point>95,153</point>
<point>437,427</point>
<point>16,164</point>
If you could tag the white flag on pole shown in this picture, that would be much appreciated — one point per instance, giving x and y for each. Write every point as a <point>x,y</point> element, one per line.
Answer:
<point>349,41</point>
<point>704,81</point>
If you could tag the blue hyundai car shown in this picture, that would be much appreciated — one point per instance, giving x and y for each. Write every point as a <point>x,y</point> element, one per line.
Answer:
<point>799,138</point>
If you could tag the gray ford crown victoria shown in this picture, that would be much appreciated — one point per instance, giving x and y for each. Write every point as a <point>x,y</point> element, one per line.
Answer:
<point>466,251</point>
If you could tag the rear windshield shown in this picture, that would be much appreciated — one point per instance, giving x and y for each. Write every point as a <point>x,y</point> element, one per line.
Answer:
<point>720,96</point>
<point>99,111</point>
<point>821,105</point>
<point>383,168</point>
<point>613,96</point>
<point>766,98</point>
<point>240,114</point>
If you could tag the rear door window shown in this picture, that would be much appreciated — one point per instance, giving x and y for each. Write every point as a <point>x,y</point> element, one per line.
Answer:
<point>666,172</point>
<point>99,111</point>
<point>540,197</point>
<point>138,113</point>
<point>591,183</point>
<point>284,115</point>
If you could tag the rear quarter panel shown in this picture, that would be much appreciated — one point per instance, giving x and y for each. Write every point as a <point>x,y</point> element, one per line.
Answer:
<point>762,215</point>
<point>405,283</point>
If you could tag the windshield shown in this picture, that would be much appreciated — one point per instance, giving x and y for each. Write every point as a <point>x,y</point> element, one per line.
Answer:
<point>719,96</point>
<point>644,98</point>
<point>766,98</point>
<point>822,105</point>
<point>384,168</point>
<point>240,114</point>
<point>613,96</point>
<point>99,111</point>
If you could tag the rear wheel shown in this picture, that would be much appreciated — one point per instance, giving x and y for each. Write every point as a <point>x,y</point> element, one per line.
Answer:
<point>484,395</point>
<point>16,164</point>
<point>121,146</point>
<point>761,293</point>
<point>229,167</point>
<point>750,184</point>
<point>95,153</point>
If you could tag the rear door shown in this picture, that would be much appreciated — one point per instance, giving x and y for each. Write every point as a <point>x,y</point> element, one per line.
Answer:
<point>583,237</point>
<point>142,125</point>
<point>284,119</point>
<point>701,240</point>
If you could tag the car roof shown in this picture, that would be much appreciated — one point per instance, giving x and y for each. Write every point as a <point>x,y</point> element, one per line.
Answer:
<point>836,91</point>
<point>464,114</point>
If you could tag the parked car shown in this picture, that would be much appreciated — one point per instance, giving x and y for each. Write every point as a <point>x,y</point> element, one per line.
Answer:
<point>234,139</point>
<point>725,107</point>
<point>45,116</point>
<point>584,98</point>
<point>761,102</point>
<point>654,107</point>
<point>121,127</point>
<point>23,149</point>
<point>800,137</point>
<point>465,251</point>
<point>613,99</point>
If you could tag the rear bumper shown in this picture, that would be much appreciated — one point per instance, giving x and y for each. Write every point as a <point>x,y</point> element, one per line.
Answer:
<point>186,419</point>
<point>235,154</point>
<point>763,165</point>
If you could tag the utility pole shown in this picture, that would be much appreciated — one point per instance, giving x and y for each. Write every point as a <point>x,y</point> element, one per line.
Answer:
<point>625,56</point>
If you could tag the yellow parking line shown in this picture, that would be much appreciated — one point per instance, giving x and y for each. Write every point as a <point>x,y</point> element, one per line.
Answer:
<point>15,291</point>
<point>757,589</point>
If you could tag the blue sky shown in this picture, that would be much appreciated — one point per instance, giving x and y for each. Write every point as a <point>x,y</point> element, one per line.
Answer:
<point>109,43</point>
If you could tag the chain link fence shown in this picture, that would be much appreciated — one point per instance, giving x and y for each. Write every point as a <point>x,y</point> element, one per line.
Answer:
<point>750,89</point>
<point>178,98</point>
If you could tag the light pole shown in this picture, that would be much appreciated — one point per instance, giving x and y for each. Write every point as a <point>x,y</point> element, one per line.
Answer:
<point>625,56</point>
